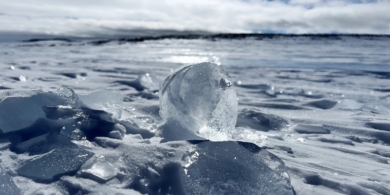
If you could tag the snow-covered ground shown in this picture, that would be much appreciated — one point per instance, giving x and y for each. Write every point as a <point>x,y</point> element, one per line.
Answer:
<point>321,105</point>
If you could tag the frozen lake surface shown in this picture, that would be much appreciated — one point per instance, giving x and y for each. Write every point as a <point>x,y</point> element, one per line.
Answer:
<point>320,104</point>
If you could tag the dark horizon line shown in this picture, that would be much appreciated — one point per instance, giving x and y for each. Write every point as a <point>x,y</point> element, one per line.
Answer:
<point>259,36</point>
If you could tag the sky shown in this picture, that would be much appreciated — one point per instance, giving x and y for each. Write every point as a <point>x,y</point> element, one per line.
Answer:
<point>99,18</point>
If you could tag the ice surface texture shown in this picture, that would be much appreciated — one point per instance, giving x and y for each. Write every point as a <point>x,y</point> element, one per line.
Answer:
<point>200,98</point>
<point>64,160</point>
<point>205,167</point>
<point>7,185</point>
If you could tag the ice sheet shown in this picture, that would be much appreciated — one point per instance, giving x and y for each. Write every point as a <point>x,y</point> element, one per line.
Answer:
<point>319,104</point>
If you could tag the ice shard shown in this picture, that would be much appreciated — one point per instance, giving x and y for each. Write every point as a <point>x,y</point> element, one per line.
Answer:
<point>64,160</point>
<point>148,81</point>
<point>20,112</point>
<point>108,101</point>
<point>98,170</point>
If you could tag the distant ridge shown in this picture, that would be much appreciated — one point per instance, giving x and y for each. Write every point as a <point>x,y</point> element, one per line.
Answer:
<point>48,39</point>
<point>214,37</point>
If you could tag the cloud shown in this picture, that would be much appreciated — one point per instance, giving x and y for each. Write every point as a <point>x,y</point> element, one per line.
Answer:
<point>89,18</point>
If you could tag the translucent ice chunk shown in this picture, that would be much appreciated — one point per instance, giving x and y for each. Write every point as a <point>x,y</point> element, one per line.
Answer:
<point>200,98</point>
<point>71,97</point>
<point>100,171</point>
<point>148,81</point>
<point>109,101</point>
<point>20,112</point>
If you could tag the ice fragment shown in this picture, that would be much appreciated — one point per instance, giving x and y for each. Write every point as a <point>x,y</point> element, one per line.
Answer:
<point>64,160</point>
<point>100,171</point>
<point>108,101</point>
<point>200,98</point>
<point>149,82</point>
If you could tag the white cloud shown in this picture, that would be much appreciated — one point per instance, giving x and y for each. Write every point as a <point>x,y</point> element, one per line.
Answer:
<point>129,17</point>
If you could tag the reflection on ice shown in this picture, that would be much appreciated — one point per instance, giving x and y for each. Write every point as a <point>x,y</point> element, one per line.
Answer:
<point>193,59</point>
<point>187,59</point>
